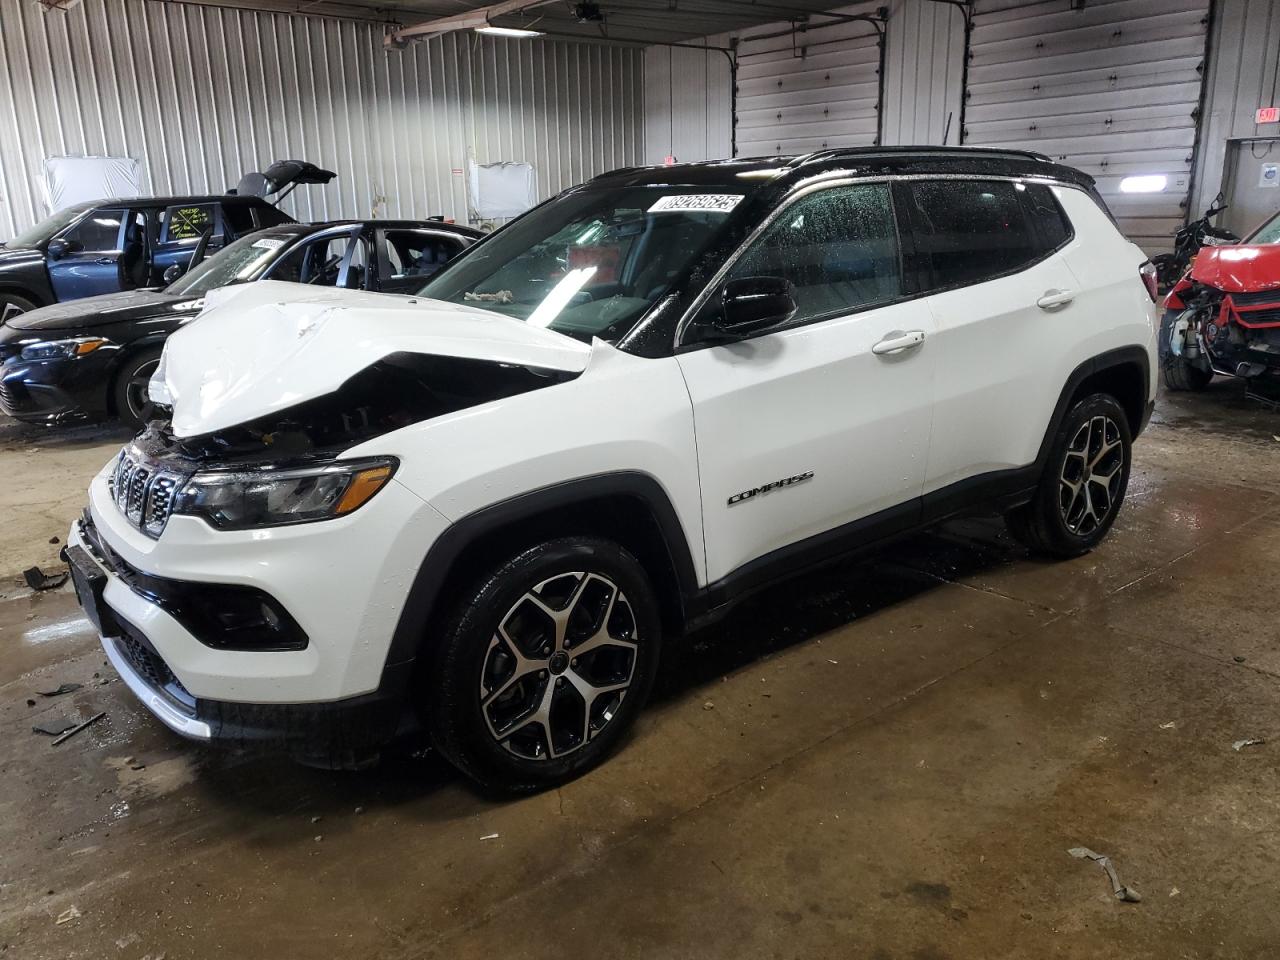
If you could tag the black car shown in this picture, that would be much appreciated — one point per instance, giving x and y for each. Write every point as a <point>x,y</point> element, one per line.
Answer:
<point>92,358</point>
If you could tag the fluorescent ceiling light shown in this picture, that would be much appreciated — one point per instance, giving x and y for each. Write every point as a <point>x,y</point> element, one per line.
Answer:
<point>1151,183</point>
<point>507,31</point>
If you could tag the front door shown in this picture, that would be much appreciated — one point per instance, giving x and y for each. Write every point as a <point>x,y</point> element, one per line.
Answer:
<point>89,262</point>
<point>820,429</point>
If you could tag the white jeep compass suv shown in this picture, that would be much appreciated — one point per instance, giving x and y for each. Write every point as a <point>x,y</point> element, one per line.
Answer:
<point>483,508</point>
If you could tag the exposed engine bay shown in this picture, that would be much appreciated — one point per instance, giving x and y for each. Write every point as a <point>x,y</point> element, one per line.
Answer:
<point>1226,313</point>
<point>397,391</point>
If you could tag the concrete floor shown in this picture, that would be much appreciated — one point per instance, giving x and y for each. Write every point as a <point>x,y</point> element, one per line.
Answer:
<point>889,761</point>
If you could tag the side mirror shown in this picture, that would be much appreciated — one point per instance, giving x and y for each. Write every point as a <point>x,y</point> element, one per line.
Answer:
<point>755,304</point>
<point>57,249</point>
<point>172,273</point>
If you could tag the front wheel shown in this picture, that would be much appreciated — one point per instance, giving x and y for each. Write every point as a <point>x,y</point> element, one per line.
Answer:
<point>132,401</point>
<point>1180,375</point>
<point>546,662</point>
<point>1084,482</point>
<point>11,305</point>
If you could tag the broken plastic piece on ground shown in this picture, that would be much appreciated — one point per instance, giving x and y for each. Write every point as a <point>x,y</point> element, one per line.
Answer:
<point>54,728</point>
<point>37,579</point>
<point>74,730</point>
<point>61,689</point>
<point>490,836</point>
<point>1120,890</point>
<point>67,915</point>
<point>1251,742</point>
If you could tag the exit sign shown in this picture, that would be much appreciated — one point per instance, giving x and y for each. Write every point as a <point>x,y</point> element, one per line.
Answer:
<point>1267,115</point>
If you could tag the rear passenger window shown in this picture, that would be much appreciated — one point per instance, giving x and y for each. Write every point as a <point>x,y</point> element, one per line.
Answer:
<point>839,247</point>
<point>970,230</point>
<point>239,216</point>
<point>1050,222</point>
<point>185,224</point>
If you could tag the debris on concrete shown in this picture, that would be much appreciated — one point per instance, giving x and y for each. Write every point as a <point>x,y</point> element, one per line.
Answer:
<point>53,539</point>
<point>1251,742</point>
<point>55,727</point>
<point>1121,892</point>
<point>67,915</point>
<point>490,836</point>
<point>60,689</point>
<point>1238,659</point>
<point>1172,724</point>
<point>708,705</point>
<point>37,579</point>
<point>1174,892</point>
<point>74,730</point>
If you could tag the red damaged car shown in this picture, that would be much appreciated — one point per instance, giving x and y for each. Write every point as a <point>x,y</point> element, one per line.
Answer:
<point>1223,316</point>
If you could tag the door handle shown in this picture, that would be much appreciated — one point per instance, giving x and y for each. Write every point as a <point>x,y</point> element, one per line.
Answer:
<point>1055,298</point>
<point>105,261</point>
<point>896,342</point>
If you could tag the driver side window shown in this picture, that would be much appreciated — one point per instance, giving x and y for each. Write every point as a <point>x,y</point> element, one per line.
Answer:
<point>317,262</point>
<point>838,247</point>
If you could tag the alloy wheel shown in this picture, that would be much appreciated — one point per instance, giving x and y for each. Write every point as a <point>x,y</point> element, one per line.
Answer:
<point>558,666</point>
<point>1091,475</point>
<point>137,393</point>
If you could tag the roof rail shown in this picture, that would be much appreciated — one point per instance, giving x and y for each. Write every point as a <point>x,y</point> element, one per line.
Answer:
<point>870,152</point>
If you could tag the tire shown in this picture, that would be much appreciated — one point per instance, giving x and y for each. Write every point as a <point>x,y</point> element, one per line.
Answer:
<point>129,389</point>
<point>488,711</point>
<point>10,302</point>
<point>1180,375</point>
<point>1088,464</point>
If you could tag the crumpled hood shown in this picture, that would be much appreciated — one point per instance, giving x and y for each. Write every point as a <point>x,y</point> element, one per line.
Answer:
<point>264,347</point>
<point>108,308</point>
<point>1238,268</point>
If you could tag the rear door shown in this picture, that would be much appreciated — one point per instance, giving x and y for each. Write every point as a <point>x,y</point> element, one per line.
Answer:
<point>823,424</point>
<point>408,258</point>
<point>1002,302</point>
<point>91,264</point>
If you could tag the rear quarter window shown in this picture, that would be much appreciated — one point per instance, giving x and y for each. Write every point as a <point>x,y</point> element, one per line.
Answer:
<point>1052,227</point>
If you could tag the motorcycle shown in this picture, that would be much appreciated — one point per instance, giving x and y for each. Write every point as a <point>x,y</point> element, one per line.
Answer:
<point>1188,241</point>
<point>1223,317</point>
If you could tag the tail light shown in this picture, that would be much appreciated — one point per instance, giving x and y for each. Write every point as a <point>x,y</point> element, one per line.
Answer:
<point>1148,273</point>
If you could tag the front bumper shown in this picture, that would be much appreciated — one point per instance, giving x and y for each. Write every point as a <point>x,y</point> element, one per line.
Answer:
<point>55,391</point>
<point>344,734</point>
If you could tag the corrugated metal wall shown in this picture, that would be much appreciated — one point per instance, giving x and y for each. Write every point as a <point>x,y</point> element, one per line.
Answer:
<point>1244,74</point>
<point>201,94</point>
<point>687,103</point>
<point>923,71</point>
<point>809,89</point>
<point>687,92</point>
<point>1112,88</point>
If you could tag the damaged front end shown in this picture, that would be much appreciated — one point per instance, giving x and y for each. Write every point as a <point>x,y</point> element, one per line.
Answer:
<point>1224,316</point>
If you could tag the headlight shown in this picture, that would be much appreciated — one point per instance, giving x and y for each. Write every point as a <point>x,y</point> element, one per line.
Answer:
<point>62,349</point>
<point>271,498</point>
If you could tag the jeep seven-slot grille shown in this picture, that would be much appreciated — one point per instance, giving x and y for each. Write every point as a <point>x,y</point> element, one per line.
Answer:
<point>143,492</point>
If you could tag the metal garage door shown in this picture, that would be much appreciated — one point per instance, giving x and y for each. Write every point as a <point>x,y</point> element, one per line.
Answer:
<point>1112,88</point>
<point>809,89</point>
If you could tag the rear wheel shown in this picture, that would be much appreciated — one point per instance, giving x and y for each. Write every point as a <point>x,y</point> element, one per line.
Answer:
<point>546,662</point>
<point>1083,484</point>
<point>132,402</point>
<point>1180,375</point>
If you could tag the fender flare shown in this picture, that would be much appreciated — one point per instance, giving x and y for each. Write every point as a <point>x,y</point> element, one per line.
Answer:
<point>1111,359</point>
<point>424,593</point>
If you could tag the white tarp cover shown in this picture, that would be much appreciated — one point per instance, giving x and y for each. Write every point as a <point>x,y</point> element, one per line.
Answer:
<point>500,190</point>
<point>72,180</point>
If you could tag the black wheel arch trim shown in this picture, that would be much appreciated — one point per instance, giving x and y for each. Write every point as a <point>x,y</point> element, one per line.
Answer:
<point>1109,360</point>
<point>424,593</point>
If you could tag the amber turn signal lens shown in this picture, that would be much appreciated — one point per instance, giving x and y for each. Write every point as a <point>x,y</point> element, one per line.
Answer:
<point>363,486</point>
<point>88,346</point>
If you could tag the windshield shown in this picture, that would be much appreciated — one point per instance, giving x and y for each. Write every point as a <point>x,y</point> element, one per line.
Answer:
<point>49,227</point>
<point>591,263</point>
<point>237,262</point>
<point>1269,232</point>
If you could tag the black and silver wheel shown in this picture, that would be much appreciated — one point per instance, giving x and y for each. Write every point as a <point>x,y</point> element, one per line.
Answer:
<point>12,305</point>
<point>1084,483</point>
<point>132,402</point>
<point>548,660</point>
